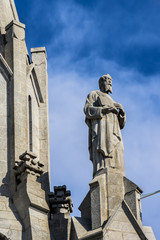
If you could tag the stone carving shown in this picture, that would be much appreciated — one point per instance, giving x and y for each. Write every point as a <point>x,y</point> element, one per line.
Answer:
<point>105,118</point>
<point>28,164</point>
<point>60,201</point>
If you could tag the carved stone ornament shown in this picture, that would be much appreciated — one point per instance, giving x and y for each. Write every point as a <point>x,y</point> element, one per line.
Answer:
<point>60,201</point>
<point>28,164</point>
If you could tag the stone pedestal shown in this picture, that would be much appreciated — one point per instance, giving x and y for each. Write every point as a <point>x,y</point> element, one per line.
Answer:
<point>106,193</point>
<point>115,190</point>
<point>98,196</point>
<point>29,198</point>
<point>60,207</point>
<point>110,210</point>
<point>133,198</point>
<point>60,225</point>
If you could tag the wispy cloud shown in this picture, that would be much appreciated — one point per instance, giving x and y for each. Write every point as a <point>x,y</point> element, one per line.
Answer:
<point>120,32</point>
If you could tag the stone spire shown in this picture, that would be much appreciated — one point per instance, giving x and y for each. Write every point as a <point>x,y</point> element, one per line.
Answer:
<point>8,13</point>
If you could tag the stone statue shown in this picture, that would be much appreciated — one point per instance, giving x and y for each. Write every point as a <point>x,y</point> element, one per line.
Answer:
<point>105,118</point>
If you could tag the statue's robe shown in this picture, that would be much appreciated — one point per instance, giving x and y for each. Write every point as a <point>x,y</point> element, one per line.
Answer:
<point>105,141</point>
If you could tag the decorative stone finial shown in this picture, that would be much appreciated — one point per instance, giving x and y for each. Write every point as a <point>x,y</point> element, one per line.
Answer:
<point>28,164</point>
<point>60,201</point>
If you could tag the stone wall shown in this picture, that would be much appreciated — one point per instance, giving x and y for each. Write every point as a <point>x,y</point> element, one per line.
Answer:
<point>3,133</point>
<point>10,225</point>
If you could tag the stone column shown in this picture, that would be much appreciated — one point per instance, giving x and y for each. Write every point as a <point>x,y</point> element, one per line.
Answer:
<point>39,61</point>
<point>133,198</point>
<point>106,193</point>
<point>98,195</point>
<point>29,198</point>
<point>16,55</point>
<point>60,208</point>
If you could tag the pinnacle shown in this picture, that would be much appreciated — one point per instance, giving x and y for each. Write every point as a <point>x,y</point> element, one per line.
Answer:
<point>8,13</point>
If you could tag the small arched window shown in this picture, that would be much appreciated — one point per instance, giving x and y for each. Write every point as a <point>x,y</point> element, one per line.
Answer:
<point>30,123</point>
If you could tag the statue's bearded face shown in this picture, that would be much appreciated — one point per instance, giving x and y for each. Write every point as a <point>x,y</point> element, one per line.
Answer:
<point>106,84</point>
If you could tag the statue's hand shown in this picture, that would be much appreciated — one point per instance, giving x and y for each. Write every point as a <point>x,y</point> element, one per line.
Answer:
<point>104,110</point>
<point>114,110</point>
<point>121,110</point>
<point>118,105</point>
<point>109,109</point>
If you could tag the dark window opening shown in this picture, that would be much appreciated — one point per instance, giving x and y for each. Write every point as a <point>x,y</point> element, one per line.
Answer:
<point>30,123</point>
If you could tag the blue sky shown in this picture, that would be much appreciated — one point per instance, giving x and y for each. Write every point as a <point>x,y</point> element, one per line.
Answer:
<point>84,40</point>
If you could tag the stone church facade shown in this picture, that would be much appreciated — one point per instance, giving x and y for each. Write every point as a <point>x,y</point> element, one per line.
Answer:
<point>28,210</point>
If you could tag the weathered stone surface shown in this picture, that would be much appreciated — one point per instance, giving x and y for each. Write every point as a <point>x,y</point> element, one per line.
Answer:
<point>35,210</point>
<point>85,207</point>
<point>61,206</point>
<point>39,59</point>
<point>98,195</point>
<point>149,233</point>
<point>10,225</point>
<point>81,229</point>
<point>39,224</point>
<point>122,225</point>
<point>3,132</point>
<point>132,197</point>
<point>60,226</point>
<point>106,193</point>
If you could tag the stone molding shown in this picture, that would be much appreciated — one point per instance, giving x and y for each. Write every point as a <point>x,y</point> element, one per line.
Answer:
<point>14,22</point>
<point>38,50</point>
<point>18,29</point>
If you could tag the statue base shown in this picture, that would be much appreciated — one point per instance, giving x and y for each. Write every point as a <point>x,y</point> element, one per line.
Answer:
<point>110,210</point>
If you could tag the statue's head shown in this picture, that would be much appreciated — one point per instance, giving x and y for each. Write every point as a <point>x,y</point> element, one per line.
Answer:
<point>105,83</point>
